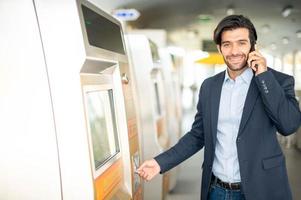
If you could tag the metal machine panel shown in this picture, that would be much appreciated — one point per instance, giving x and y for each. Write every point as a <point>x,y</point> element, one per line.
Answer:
<point>65,53</point>
<point>107,131</point>
<point>71,57</point>
<point>141,66</point>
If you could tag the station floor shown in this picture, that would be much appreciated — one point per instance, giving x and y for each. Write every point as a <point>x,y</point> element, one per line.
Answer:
<point>189,179</point>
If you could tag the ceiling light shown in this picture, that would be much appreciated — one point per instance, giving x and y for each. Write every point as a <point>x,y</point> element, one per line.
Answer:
<point>265,28</point>
<point>298,33</point>
<point>205,18</point>
<point>230,10</point>
<point>273,46</point>
<point>287,10</point>
<point>285,40</point>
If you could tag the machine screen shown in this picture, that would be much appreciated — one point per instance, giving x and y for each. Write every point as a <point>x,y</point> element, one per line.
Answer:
<point>102,125</point>
<point>102,32</point>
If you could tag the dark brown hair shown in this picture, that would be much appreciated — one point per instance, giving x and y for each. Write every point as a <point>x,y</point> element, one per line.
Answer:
<point>232,22</point>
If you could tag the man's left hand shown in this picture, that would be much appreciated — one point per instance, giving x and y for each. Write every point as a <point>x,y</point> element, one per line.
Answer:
<point>257,62</point>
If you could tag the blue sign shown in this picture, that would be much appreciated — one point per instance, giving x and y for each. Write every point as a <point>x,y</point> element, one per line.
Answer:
<point>126,14</point>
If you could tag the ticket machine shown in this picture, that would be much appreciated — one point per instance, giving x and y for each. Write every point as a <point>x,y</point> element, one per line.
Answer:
<point>67,101</point>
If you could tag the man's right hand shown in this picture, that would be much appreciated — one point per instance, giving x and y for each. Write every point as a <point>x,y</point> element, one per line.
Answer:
<point>149,169</point>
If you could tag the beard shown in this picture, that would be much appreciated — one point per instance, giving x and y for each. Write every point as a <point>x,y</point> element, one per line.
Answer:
<point>237,66</point>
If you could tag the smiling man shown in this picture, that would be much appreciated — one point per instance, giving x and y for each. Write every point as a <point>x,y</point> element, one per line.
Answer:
<point>238,114</point>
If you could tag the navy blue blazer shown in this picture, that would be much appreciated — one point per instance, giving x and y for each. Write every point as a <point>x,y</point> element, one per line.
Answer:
<point>270,107</point>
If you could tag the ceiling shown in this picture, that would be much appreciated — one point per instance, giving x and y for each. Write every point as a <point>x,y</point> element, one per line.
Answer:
<point>181,19</point>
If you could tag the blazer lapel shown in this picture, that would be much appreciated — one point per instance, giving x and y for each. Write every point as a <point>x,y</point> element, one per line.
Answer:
<point>215,101</point>
<point>249,104</point>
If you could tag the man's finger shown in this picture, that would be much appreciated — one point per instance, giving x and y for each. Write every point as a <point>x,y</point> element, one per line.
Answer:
<point>142,166</point>
<point>255,65</point>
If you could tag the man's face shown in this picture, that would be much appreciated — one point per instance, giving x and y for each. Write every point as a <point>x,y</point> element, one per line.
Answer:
<point>235,48</point>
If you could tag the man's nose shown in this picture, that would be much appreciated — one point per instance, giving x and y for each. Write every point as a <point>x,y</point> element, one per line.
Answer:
<point>235,49</point>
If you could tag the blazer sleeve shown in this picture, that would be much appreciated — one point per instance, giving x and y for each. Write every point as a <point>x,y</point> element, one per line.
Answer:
<point>280,102</point>
<point>188,145</point>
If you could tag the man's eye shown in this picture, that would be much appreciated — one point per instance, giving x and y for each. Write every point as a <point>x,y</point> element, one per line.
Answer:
<point>226,45</point>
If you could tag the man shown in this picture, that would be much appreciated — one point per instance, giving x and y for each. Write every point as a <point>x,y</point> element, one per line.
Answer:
<point>238,114</point>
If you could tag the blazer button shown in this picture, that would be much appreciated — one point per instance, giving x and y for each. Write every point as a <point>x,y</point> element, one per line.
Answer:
<point>238,139</point>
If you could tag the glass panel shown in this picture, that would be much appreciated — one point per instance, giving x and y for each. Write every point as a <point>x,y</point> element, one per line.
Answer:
<point>102,32</point>
<point>157,99</point>
<point>102,123</point>
<point>154,51</point>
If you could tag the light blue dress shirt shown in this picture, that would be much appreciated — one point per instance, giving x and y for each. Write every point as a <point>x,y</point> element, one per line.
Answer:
<point>233,96</point>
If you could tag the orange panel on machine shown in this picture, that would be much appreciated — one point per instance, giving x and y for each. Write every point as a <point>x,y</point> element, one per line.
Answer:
<point>160,126</point>
<point>130,109</point>
<point>105,183</point>
<point>132,127</point>
<point>134,144</point>
<point>138,194</point>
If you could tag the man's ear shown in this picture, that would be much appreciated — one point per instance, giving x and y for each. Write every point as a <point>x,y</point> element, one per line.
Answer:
<point>219,48</point>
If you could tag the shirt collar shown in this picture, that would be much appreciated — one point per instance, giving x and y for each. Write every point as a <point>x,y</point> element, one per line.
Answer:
<point>246,76</point>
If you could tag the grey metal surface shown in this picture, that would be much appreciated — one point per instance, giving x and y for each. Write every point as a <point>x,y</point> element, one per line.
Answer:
<point>67,50</point>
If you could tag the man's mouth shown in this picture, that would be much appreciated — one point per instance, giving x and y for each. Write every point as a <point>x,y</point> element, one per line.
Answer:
<point>236,59</point>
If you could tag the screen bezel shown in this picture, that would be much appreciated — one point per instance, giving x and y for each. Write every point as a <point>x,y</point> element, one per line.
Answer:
<point>93,51</point>
<point>112,159</point>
